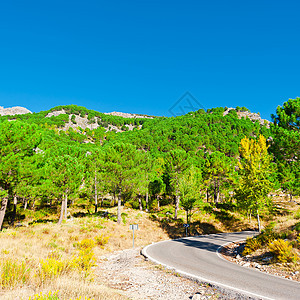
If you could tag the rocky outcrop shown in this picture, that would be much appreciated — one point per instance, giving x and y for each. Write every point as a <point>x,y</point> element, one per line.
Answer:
<point>16,110</point>
<point>55,113</point>
<point>126,115</point>
<point>76,121</point>
<point>252,116</point>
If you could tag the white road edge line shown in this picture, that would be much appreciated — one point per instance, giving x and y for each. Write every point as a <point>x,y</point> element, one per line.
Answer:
<point>144,252</point>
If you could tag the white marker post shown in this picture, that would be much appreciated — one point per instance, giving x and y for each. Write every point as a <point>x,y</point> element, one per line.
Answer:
<point>133,227</point>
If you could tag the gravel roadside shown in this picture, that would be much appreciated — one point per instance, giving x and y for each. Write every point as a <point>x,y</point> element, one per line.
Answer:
<point>138,278</point>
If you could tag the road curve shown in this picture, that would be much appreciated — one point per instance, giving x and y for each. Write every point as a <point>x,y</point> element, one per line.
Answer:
<point>198,257</point>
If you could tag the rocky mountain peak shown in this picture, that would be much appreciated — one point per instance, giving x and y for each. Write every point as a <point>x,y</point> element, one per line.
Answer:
<point>15,110</point>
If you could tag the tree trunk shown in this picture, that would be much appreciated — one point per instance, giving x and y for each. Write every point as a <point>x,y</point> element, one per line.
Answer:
<point>216,192</point>
<point>25,203</point>
<point>13,217</point>
<point>2,210</point>
<point>158,206</point>
<point>61,211</point>
<point>207,195</point>
<point>112,201</point>
<point>101,202</point>
<point>177,198</point>
<point>187,217</point>
<point>291,197</point>
<point>147,200</point>
<point>66,205</point>
<point>140,203</point>
<point>119,208</point>
<point>258,222</point>
<point>96,193</point>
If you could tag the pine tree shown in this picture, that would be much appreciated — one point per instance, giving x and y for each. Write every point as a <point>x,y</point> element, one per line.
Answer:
<point>190,185</point>
<point>121,168</point>
<point>65,168</point>
<point>176,162</point>
<point>17,141</point>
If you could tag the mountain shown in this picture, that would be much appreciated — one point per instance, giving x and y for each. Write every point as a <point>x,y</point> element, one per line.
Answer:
<point>217,129</point>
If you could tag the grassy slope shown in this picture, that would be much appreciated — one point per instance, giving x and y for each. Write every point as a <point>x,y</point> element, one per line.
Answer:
<point>37,241</point>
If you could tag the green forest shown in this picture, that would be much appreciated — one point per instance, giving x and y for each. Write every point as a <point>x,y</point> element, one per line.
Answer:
<point>185,161</point>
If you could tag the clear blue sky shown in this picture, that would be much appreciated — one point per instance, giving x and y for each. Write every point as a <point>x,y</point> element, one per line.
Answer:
<point>142,56</point>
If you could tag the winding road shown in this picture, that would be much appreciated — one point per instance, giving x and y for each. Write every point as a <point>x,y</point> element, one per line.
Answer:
<point>198,257</point>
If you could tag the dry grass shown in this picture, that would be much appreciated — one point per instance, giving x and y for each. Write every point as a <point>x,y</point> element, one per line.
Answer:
<point>33,243</point>
<point>68,288</point>
<point>38,242</point>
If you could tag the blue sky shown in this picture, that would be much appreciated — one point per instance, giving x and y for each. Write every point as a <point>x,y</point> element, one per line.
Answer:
<point>142,56</point>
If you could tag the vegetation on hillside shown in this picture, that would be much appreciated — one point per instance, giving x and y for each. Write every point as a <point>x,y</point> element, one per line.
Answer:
<point>205,168</point>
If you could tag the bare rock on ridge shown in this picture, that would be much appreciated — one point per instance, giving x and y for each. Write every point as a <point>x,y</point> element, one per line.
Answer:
<point>16,110</point>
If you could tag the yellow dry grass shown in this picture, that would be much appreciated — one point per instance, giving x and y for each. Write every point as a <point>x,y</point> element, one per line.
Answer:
<point>36,242</point>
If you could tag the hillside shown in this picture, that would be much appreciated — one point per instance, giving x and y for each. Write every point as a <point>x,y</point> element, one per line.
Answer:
<point>186,131</point>
<point>217,170</point>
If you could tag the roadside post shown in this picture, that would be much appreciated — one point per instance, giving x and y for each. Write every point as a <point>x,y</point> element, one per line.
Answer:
<point>186,226</point>
<point>133,227</point>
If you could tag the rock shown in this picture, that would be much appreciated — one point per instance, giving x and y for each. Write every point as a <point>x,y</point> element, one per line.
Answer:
<point>247,264</point>
<point>238,256</point>
<point>266,259</point>
<point>197,297</point>
<point>55,113</point>
<point>252,116</point>
<point>296,272</point>
<point>126,115</point>
<point>16,110</point>
<point>258,266</point>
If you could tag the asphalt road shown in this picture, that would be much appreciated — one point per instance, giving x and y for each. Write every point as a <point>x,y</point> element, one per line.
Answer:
<point>197,257</point>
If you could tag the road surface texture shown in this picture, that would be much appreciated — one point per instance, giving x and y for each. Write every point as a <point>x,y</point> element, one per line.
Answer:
<point>198,258</point>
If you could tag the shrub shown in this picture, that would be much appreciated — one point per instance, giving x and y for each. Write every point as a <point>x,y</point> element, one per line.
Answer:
<point>49,296</point>
<point>86,244</point>
<point>268,235</point>
<point>283,251</point>
<point>73,119</point>
<point>252,244</point>
<point>86,258</point>
<point>297,215</point>
<point>101,240</point>
<point>52,267</point>
<point>13,273</point>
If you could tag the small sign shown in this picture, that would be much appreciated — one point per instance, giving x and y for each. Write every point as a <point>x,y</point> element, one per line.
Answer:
<point>134,226</point>
<point>186,226</point>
